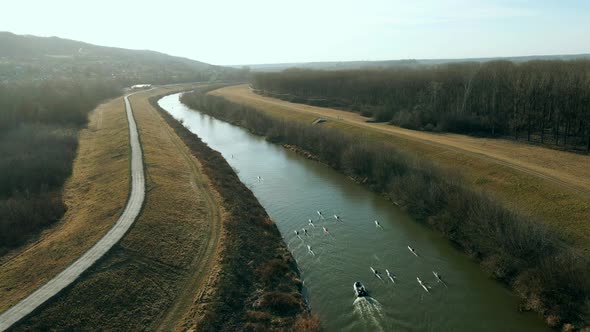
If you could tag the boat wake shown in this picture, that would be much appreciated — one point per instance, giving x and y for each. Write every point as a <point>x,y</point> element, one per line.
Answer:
<point>370,312</point>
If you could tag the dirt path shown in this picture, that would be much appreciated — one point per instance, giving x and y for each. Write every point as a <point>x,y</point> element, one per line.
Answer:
<point>568,170</point>
<point>73,271</point>
<point>203,264</point>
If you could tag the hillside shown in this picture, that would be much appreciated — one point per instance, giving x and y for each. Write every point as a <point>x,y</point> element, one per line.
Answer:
<point>47,88</point>
<point>24,57</point>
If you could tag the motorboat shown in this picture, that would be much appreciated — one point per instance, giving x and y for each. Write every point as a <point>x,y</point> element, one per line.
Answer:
<point>360,290</point>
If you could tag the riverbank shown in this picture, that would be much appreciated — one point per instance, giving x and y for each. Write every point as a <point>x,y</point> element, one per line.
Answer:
<point>523,253</point>
<point>258,281</point>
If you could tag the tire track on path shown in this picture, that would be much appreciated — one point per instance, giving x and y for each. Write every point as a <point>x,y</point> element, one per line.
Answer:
<point>202,265</point>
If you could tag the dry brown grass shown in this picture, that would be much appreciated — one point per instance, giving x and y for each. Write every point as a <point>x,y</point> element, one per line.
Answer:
<point>165,259</point>
<point>179,204</point>
<point>94,195</point>
<point>181,223</point>
<point>307,323</point>
<point>252,245</point>
<point>163,274</point>
<point>550,185</point>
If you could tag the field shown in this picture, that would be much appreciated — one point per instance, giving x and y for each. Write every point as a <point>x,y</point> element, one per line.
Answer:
<point>179,257</point>
<point>530,179</point>
<point>164,259</point>
<point>94,195</point>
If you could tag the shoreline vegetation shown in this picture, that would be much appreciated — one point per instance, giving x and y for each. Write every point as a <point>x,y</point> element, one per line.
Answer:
<point>544,270</point>
<point>258,287</point>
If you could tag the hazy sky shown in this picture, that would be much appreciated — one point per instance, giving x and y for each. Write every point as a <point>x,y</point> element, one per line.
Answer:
<point>259,31</point>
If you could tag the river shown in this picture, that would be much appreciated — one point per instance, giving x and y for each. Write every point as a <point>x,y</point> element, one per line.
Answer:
<point>292,188</point>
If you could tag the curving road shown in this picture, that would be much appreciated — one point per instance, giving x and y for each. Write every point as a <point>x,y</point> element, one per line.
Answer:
<point>72,272</point>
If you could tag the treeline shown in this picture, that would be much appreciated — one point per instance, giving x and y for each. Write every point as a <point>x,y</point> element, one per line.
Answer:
<point>549,277</point>
<point>39,123</point>
<point>538,101</point>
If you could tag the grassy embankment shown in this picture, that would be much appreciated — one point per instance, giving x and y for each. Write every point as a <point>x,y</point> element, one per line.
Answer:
<point>94,195</point>
<point>164,270</point>
<point>174,239</point>
<point>550,276</point>
<point>258,287</point>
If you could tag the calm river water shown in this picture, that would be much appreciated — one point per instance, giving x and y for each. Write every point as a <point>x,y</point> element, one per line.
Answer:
<point>292,188</point>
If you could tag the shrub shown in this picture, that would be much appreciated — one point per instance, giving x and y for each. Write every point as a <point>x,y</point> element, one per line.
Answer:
<point>307,323</point>
<point>273,270</point>
<point>281,303</point>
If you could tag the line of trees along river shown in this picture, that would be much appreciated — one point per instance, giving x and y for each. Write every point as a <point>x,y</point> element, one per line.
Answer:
<point>39,123</point>
<point>539,266</point>
<point>538,101</point>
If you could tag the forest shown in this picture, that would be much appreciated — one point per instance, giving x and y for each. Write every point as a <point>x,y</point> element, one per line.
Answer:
<point>541,101</point>
<point>39,123</point>
<point>532,258</point>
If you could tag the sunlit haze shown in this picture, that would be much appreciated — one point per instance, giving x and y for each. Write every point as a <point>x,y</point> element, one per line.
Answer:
<point>259,31</point>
